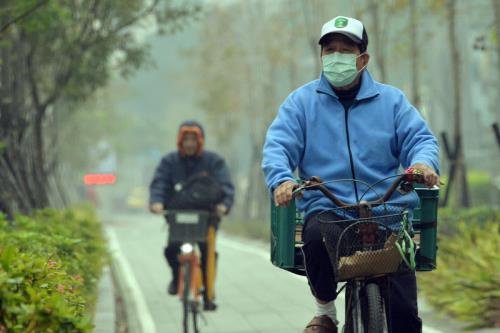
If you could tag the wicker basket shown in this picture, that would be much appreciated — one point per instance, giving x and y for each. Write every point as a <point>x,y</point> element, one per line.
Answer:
<point>362,247</point>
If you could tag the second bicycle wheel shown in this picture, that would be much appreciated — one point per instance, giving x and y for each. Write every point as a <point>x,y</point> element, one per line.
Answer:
<point>186,270</point>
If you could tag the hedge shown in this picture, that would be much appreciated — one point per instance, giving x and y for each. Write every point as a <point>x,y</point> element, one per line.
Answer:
<point>50,264</point>
<point>466,283</point>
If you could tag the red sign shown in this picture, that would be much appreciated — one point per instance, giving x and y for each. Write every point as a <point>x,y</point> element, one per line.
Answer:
<point>99,179</point>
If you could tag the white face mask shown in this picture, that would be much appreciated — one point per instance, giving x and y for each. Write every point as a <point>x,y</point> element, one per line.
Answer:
<point>340,68</point>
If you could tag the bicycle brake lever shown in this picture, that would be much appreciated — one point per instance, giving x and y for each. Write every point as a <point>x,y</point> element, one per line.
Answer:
<point>405,188</point>
<point>311,182</point>
<point>298,190</point>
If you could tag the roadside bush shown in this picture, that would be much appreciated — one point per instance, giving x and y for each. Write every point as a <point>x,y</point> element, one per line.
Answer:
<point>482,190</point>
<point>466,283</point>
<point>49,267</point>
<point>449,218</point>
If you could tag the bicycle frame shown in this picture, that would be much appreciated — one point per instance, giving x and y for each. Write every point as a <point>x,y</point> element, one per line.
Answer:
<point>190,283</point>
<point>367,308</point>
<point>367,298</point>
<point>189,228</point>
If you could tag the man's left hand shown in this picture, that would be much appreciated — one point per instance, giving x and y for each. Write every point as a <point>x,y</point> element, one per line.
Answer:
<point>430,176</point>
<point>220,210</point>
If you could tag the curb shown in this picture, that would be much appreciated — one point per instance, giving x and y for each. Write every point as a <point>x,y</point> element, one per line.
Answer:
<point>137,316</point>
<point>105,312</point>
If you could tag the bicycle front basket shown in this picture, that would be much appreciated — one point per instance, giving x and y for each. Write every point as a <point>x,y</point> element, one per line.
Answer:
<point>362,247</point>
<point>187,225</point>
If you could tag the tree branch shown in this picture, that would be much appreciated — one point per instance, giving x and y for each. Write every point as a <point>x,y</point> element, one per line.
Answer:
<point>122,26</point>
<point>23,15</point>
<point>31,78</point>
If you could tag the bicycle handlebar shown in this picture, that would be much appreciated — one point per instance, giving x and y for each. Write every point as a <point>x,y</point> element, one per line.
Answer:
<point>410,175</point>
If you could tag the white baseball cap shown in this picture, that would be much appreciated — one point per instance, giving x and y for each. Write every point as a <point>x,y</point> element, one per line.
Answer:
<point>344,25</point>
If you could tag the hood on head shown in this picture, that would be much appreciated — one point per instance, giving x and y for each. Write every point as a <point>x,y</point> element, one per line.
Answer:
<point>194,127</point>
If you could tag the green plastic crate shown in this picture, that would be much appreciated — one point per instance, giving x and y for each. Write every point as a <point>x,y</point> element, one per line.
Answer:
<point>286,222</point>
<point>425,226</point>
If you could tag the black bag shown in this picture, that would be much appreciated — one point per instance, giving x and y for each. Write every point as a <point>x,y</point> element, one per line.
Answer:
<point>200,191</point>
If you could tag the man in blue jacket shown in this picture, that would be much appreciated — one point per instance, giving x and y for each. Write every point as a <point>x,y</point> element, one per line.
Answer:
<point>346,125</point>
<point>190,160</point>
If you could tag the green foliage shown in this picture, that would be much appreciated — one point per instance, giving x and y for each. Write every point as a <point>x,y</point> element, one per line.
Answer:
<point>56,54</point>
<point>449,217</point>
<point>49,267</point>
<point>481,188</point>
<point>467,281</point>
<point>72,42</point>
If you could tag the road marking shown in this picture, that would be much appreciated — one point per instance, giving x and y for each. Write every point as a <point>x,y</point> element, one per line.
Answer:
<point>252,249</point>
<point>143,315</point>
<point>240,246</point>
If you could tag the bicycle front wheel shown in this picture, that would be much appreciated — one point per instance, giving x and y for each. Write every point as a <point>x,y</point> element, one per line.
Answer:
<point>186,270</point>
<point>374,319</point>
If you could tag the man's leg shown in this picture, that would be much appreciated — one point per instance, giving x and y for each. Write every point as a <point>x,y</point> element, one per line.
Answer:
<point>171,253</point>
<point>317,263</point>
<point>404,310</point>
<point>320,277</point>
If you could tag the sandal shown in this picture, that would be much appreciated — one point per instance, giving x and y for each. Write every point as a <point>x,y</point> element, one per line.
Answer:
<point>321,324</point>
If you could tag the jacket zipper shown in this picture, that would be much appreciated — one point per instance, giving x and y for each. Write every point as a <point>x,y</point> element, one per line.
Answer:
<point>350,153</point>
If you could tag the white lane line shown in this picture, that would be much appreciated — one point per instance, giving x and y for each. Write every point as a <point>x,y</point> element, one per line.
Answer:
<point>240,246</point>
<point>252,249</point>
<point>131,285</point>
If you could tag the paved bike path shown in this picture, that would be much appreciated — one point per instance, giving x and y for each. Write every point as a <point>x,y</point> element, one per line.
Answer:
<point>253,296</point>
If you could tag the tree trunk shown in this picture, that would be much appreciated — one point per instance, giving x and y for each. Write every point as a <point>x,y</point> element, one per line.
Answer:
<point>461,187</point>
<point>415,60</point>
<point>378,36</point>
<point>40,175</point>
<point>312,11</point>
<point>496,10</point>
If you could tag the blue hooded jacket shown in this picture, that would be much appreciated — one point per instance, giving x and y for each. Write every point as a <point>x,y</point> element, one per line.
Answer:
<point>313,134</point>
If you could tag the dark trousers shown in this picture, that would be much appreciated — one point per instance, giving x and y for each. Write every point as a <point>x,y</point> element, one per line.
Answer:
<point>320,275</point>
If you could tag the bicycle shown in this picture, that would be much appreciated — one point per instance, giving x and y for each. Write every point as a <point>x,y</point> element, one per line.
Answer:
<point>356,236</point>
<point>191,227</point>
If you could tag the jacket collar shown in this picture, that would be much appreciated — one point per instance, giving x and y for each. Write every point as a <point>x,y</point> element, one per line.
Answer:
<point>367,90</point>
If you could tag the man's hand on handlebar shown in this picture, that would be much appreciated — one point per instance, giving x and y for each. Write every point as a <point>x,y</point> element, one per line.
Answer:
<point>430,176</point>
<point>157,208</point>
<point>283,194</point>
<point>220,210</point>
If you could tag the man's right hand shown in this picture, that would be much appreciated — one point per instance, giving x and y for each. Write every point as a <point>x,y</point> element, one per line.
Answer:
<point>283,193</point>
<point>157,208</point>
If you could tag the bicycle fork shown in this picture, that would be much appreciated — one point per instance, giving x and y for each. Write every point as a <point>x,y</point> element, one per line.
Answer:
<point>190,284</point>
<point>353,322</point>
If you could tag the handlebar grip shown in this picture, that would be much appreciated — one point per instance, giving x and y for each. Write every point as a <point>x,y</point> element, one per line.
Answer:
<point>414,175</point>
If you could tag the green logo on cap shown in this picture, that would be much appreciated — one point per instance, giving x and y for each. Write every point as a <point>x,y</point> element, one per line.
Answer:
<point>341,22</point>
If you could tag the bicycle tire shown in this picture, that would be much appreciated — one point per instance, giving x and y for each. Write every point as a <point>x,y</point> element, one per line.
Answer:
<point>373,312</point>
<point>186,269</point>
<point>194,309</point>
